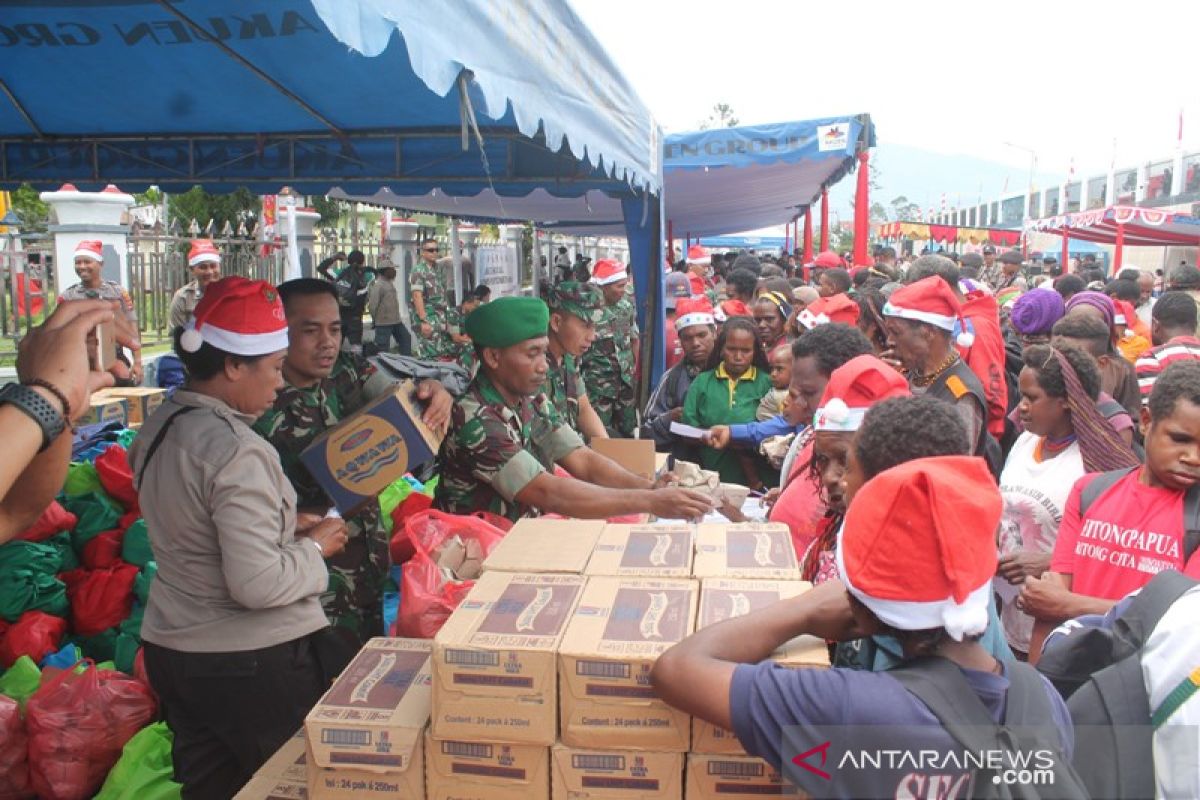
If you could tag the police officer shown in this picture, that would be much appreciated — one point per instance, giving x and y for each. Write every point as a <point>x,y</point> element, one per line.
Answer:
<point>89,258</point>
<point>575,309</point>
<point>236,644</point>
<point>608,366</point>
<point>506,436</point>
<point>204,260</point>
<point>322,385</point>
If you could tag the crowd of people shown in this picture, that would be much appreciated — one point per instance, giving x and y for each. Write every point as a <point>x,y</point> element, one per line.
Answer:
<point>966,452</point>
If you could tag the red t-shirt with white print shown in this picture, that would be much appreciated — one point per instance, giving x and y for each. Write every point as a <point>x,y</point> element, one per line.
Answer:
<point>1130,534</point>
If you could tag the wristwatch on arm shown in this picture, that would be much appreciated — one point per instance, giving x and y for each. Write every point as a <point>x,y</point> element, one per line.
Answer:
<point>37,408</point>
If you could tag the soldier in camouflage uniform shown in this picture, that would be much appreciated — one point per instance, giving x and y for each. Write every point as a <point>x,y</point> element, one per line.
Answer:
<point>506,436</point>
<point>575,309</point>
<point>324,385</point>
<point>608,367</point>
<point>429,303</point>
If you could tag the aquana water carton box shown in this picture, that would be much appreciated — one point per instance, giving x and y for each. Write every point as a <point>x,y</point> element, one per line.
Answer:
<point>494,674</point>
<point>619,628</point>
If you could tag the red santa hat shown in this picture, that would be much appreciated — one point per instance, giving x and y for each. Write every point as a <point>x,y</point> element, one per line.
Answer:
<point>203,250</point>
<point>239,316</point>
<point>853,388</point>
<point>839,308</point>
<point>918,546</point>
<point>735,308</point>
<point>930,300</point>
<point>828,260</point>
<point>608,270</point>
<point>90,248</point>
<point>698,254</point>
<point>693,311</point>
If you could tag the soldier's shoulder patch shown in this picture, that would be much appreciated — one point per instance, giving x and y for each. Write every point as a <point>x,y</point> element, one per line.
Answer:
<point>956,386</point>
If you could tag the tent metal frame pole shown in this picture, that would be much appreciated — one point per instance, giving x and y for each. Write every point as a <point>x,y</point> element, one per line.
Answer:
<point>1120,248</point>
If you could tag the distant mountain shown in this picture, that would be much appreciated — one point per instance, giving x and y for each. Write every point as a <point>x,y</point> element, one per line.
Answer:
<point>923,176</point>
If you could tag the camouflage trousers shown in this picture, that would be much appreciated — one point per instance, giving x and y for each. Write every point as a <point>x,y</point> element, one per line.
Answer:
<point>614,403</point>
<point>353,601</point>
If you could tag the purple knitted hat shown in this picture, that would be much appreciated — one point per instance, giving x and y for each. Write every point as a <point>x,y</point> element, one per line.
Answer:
<point>1097,300</point>
<point>1035,312</point>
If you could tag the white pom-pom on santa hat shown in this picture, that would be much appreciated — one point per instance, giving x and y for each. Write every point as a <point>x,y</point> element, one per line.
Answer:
<point>964,619</point>
<point>965,339</point>
<point>836,411</point>
<point>191,340</point>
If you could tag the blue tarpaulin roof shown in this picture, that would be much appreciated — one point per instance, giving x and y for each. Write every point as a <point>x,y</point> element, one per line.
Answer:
<point>314,93</point>
<point>727,180</point>
<point>460,96</point>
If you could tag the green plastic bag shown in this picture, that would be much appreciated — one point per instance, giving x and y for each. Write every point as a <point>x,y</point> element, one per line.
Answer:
<point>135,546</point>
<point>391,497</point>
<point>97,513</point>
<point>144,770</point>
<point>141,584</point>
<point>23,590</point>
<point>21,680</point>
<point>126,652</point>
<point>82,479</point>
<point>132,625</point>
<point>101,647</point>
<point>66,551</point>
<point>32,556</point>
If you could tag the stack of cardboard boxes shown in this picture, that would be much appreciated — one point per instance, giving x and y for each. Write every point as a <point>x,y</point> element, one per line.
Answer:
<point>538,686</point>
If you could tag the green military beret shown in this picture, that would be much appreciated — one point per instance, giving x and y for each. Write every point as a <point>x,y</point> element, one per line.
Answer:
<point>584,300</point>
<point>508,320</point>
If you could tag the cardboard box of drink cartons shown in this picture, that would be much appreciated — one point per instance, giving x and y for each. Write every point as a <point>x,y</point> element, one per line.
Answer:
<point>734,778</point>
<point>366,734</point>
<point>725,598</point>
<point>370,449</point>
<point>624,774</point>
<point>143,400</point>
<point>456,770</point>
<point>106,409</point>
<point>546,545</point>
<point>635,455</point>
<point>649,551</point>
<point>494,674</point>
<point>745,550</point>
<point>283,777</point>
<point>619,628</point>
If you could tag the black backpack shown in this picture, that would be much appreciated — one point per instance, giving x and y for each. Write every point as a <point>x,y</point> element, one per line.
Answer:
<point>1099,671</point>
<point>1028,725</point>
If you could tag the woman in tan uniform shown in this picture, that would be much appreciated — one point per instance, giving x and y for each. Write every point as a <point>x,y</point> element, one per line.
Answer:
<point>236,641</point>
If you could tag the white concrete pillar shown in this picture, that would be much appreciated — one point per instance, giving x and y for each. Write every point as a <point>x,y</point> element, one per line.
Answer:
<point>306,238</point>
<point>402,238</point>
<point>89,215</point>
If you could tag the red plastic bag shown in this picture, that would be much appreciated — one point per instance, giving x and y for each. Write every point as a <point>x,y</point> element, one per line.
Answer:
<point>100,598</point>
<point>35,634</point>
<point>54,520</point>
<point>112,467</point>
<point>77,723</point>
<point>14,752</point>
<point>401,547</point>
<point>426,598</point>
<point>103,550</point>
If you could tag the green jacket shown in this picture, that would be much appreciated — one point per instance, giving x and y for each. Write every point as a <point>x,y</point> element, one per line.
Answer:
<point>715,399</point>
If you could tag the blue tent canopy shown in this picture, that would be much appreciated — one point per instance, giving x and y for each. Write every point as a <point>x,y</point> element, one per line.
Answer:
<point>460,96</point>
<point>727,180</point>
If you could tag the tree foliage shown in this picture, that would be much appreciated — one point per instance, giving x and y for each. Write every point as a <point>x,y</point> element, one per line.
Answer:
<point>721,116</point>
<point>331,210</point>
<point>29,208</point>
<point>236,207</point>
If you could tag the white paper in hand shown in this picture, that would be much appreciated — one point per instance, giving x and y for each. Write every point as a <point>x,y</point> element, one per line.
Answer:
<point>688,431</point>
<point>332,514</point>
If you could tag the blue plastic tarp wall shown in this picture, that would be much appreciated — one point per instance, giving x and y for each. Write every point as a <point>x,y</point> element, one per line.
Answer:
<point>312,94</point>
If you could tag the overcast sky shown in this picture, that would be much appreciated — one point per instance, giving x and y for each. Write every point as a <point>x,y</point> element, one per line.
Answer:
<point>1062,78</point>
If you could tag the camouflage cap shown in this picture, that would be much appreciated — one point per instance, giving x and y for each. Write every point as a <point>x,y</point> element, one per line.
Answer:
<point>584,300</point>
